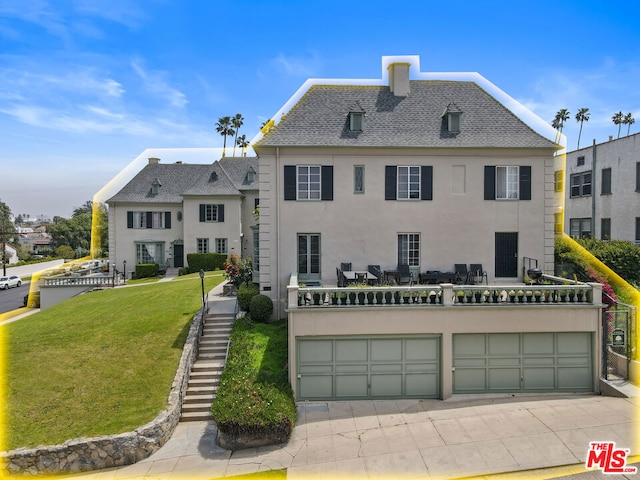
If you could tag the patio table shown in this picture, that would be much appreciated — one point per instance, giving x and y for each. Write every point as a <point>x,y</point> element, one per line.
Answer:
<point>351,276</point>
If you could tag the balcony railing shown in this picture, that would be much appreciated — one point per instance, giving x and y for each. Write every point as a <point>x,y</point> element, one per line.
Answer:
<point>442,295</point>
<point>62,281</point>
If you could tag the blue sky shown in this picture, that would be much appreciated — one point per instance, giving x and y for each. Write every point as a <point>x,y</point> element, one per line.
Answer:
<point>86,86</point>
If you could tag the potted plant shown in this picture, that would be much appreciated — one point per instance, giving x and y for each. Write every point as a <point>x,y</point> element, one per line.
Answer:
<point>529,295</point>
<point>520,295</point>
<point>538,295</point>
<point>512,296</point>
<point>460,296</point>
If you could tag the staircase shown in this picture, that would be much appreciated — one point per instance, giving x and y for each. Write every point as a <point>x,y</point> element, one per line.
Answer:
<point>207,369</point>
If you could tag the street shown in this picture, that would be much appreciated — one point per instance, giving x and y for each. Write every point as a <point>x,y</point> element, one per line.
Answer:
<point>11,299</point>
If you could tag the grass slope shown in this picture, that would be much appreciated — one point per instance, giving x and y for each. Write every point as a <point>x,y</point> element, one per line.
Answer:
<point>100,363</point>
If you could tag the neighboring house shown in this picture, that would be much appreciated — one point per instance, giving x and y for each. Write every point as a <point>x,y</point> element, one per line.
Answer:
<point>602,198</point>
<point>39,242</point>
<point>11,254</point>
<point>427,172</point>
<point>170,210</point>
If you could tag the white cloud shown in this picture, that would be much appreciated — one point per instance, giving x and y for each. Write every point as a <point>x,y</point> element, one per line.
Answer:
<point>154,82</point>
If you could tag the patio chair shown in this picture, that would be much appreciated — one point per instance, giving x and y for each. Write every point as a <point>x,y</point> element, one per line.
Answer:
<point>345,267</point>
<point>462,274</point>
<point>361,277</point>
<point>405,275</point>
<point>478,273</point>
<point>342,281</point>
<point>376,271</point>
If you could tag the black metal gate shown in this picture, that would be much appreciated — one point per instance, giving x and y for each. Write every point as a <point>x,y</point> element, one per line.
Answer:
<point>618,334</point>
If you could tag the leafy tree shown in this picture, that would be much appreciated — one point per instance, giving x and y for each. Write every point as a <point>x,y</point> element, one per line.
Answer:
<point>87,207</point>
<point>65,252</point>
<point>561,117</point>
<point>581,117</point>
<point>8,234</point>
<point>224,128</point>
<point>75,232</point>
<point>628,121</point>
<point>243,143</point>
<point>618,119</point>
<point>236,123</point>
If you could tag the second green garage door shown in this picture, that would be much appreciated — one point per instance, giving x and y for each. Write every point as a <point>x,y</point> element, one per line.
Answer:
<point>371,367</point>
<point>522,362</point>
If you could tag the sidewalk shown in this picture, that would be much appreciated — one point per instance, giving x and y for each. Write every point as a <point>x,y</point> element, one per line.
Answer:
<point>511,436</point>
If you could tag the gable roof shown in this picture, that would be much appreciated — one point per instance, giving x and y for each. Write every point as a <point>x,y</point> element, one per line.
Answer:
<point>320,118</point>
<point>180,179</point>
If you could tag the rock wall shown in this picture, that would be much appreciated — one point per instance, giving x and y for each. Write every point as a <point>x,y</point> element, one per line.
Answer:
<point>85,454</point>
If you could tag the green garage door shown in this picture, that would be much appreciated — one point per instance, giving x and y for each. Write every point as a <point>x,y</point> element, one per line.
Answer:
<point>522,362</point>
<point>372,367</point>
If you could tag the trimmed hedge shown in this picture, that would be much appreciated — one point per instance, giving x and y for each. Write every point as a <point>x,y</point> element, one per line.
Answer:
<point>261,308</point>
<point>246,292</point>
<point>254,396</point>
<point>147,270</point>
<point>206,261</point>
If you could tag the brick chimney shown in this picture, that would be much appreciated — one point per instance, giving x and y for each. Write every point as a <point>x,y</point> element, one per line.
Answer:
<point>399,78</point>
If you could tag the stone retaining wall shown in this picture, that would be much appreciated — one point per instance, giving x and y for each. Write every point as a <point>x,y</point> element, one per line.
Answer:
<point>85,454</point>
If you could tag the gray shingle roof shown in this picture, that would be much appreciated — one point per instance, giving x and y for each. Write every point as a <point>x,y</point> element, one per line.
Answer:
<point>180,179</point>
<point>320,118</point>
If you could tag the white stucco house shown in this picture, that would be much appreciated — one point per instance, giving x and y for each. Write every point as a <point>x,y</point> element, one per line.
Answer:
<point>170,210</point>
<point>602,198</point>
<point>418,172</point>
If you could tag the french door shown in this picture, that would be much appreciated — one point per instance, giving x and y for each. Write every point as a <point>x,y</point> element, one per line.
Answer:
<point>506,255</point>
<point>308,256</point>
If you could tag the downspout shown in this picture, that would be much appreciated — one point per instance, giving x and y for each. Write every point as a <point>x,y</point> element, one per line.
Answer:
<point>593,192</point>
<point>277,236</point>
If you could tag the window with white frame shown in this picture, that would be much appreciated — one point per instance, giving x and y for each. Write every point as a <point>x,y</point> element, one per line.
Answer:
<point>309,182</point>
<point>409,183</point>
<point>150,252</point>
<point>139,219</point>
<point>409,249</point>
<point>221,245</point>
<point>507,182</point>
<point>202,245</point>
<point>210,213</point>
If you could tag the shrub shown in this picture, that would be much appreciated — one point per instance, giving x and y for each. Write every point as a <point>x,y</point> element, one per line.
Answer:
<point>183,271</point>
<point>261,308</point>
<point>246,292</point>
<point>146,270</point>
<point>205,261</point>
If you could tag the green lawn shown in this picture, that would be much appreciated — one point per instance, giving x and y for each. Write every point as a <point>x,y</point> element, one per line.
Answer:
<point>100,363</point>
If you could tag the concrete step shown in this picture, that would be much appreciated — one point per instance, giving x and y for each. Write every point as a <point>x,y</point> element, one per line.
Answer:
<point>195,416</point>
<point>201,390</point>
<point>205,374</point>
<point>207,365</point>
<point>203,382</point>
<point>196,407</point>
<point>199,398</point>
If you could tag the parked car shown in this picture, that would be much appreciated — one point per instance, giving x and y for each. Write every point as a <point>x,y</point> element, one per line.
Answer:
<point>11,281</point>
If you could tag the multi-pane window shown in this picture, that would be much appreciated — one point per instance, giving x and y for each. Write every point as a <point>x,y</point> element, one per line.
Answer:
<point>507,181</point>
<point>211,213</point>
<point>358,179</point>
<point>605,186</point>
<point>409,183</point>
<point>356,121</point>
<point>221,245</point>
<point>580,161</point>
<point>150,253</point>
<point>308,256</point>
<point>581,184</point>
<point>409,249</point>
<point>559,180</point>
<point>580,227</point>
<point>203,245</point>
<point>309,182</point>
<point>256,248</point>
<point>148,220</point>
<point>605,229</point>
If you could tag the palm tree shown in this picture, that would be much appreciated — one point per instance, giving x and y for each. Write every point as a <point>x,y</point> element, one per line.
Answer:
<point>618,119</point>
<point>223,127</point>
<point>236,123</point>
<point>561,117</point>
<point>628,121</point>
<point>582,116</point>
<point>242,142</point>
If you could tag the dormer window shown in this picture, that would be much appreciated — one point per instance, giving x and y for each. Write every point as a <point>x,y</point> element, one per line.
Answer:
<point>155,187</point>
<point>356,118</point>
<point>453,117</point>
<point>251,175</point>
<point>213,177</point>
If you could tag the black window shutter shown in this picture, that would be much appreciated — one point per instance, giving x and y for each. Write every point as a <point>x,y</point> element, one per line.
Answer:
<point>202,219</point>
<point>327,182</point>
<point>167,219</point>
<point>221,213</point>
<point>129,219</point>
<point>637,176</point>
<point>525,182</point>
<point>390,182</point>
<point>426,182</point>
<point>489,182</point>
<point>290,182</point>
<point>149,219</point>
